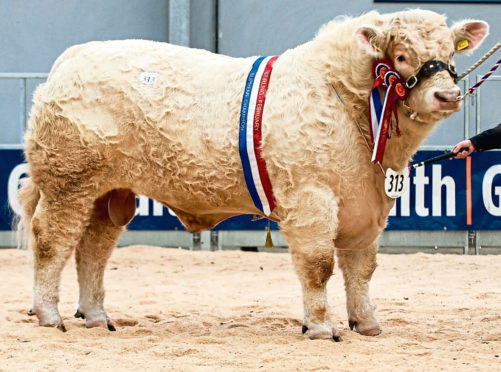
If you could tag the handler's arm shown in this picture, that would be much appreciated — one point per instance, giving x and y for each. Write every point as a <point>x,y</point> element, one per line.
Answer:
<point>488,140</point>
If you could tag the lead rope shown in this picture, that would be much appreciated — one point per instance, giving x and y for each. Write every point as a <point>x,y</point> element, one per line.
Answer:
<point>478,63</point>
<point>481,60</point>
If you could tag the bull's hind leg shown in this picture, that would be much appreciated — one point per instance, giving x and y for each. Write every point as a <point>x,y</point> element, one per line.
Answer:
<point>56,227</point>
<point>310,230</point>
<point>92,253</point>
<point>357,267</point>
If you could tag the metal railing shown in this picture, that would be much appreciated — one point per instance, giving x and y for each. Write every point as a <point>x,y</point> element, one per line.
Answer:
<point>23,105</point>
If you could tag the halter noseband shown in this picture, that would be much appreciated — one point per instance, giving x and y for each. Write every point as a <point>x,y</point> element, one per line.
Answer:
<point>430,68</point>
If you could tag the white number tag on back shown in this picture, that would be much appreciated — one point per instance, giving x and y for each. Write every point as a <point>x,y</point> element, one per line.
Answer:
<point>395,184</point>
<point>148,78</point>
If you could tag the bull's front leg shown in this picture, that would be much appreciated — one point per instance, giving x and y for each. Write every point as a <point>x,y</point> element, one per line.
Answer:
<point>309,228</point>
<point>358,267</point>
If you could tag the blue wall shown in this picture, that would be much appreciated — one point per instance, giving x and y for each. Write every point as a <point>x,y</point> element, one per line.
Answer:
<point>436,199</point>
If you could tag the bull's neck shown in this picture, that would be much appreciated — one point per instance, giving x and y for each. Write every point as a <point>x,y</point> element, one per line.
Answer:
<point>399,148</point>
<point>352,80</point>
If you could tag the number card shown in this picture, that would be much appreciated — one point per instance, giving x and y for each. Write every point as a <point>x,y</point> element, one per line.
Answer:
<point>148,78</point>
<point>395,184</point>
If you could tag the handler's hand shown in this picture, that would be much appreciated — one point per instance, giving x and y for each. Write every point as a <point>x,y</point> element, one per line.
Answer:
<point>463,154</point>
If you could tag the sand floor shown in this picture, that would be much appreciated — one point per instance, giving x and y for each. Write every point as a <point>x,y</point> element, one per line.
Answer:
<point>237,311</point>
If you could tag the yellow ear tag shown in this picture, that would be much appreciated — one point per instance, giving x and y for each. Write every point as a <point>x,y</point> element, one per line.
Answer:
<point>462,44</point>
<point>376,47</point>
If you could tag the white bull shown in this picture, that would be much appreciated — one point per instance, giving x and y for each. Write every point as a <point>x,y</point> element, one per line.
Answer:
<point>102,131</point>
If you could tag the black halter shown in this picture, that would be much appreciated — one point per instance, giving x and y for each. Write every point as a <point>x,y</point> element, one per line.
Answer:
<point>430,68</point>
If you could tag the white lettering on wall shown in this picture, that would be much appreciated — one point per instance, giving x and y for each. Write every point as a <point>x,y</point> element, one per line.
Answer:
<point>142,206</point>
<point>450,192</point>
<point>491,207</point>
<point>420,181</point>
<point>393,210</point>
<point>13,187</point>
<point>405,204</point>
<point>158,208</point>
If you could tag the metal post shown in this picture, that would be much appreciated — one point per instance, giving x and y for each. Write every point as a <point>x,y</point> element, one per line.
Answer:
<point>179,22</point>
<point>216,26</point>
<point>478,128</point>
<point>197,242</point>
<point>22,108</point>
<point>205,240</point>
<point>220,240</point>
<point>214,237</point>
<point>467,108</point>
<point>477,242</point>
<point>479,107</point>
<point>23,102</point>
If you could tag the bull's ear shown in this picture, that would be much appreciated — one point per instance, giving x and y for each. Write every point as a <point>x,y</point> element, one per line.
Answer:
<point>372,38</point>
<point>469,34</point>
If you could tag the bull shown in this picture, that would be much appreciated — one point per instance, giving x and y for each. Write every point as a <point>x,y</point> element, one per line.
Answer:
<point>119,118</point>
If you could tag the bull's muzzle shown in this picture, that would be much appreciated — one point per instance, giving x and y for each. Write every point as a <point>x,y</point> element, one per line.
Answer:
<point>448,99</point>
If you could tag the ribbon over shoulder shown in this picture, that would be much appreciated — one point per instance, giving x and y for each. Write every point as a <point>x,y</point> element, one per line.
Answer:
<point>251,114</point>
<point>380,114</point>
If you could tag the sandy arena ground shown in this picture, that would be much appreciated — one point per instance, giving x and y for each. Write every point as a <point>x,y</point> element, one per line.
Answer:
<point>235,311</point>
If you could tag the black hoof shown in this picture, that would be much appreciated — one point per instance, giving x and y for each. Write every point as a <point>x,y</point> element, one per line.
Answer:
<point>61,327</point>
<point>78,314</point>
<point>111,328</point>
<point>352,324</point>
<point>337,338</point>
<point>304,329</point>
<point>31,313</point>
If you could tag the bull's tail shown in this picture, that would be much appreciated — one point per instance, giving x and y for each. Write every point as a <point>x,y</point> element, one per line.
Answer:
<point>29,195</point>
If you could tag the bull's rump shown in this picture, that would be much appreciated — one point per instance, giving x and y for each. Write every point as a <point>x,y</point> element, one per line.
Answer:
<point>178,131</point>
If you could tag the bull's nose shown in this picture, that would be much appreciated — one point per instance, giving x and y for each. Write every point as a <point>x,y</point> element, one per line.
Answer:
<point>448,95</point>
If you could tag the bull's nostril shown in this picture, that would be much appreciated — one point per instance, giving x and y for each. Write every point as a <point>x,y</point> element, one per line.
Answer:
<point>440,97</point>
<point>447,96</point>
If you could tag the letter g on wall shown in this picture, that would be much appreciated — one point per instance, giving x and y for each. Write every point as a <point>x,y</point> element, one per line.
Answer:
<point>491,207</point>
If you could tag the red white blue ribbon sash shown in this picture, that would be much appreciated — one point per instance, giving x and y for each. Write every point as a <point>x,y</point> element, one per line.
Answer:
<point>380,114</point>
<point>251,114</point>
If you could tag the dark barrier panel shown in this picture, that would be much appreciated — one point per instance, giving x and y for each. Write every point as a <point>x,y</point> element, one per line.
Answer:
<point>437,198</point>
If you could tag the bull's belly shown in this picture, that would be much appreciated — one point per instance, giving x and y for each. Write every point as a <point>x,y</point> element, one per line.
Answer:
<point>200,201</point>
<point>198,214</point>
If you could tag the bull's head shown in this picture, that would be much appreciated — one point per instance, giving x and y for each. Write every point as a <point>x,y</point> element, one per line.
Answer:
<point>422,47</point>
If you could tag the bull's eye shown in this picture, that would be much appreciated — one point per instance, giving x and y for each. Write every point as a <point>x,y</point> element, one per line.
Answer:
<point>401,58</point>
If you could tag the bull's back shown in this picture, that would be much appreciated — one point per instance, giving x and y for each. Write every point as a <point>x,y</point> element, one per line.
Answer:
<point>145,107</point>
<point>100,86</point>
